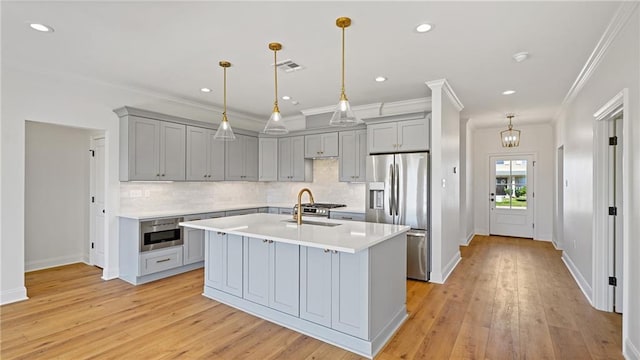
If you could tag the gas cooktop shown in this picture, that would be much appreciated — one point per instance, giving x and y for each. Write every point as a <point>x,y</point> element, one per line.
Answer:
<point>323,205</point>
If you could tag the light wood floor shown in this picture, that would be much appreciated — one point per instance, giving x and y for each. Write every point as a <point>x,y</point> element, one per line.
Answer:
<point>507,299</point>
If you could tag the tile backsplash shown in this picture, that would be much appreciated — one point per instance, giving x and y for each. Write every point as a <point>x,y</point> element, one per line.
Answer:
<point>147,196</point>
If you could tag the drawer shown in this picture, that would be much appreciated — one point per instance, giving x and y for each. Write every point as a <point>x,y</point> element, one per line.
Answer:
<point>287,211</point>
<point>159,260</point>
<point>346,216</point>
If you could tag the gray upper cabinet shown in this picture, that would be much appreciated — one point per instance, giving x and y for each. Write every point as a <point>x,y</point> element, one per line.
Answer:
<point>321,145</point>
<point>353,155</point>
<point>268,159</point>
<point>292,166</point>
<point>205,156</point>
<point>400,136</point>
<point>151,149</point>
<point>241,158</point>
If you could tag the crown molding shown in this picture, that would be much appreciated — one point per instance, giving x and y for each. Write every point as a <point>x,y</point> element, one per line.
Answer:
<point>443,84</point>
<point>406,106</point>
<point>619,20</point>
<point>360,110</point>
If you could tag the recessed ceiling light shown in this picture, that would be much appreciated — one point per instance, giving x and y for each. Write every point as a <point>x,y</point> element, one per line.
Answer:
<point>508,92</point>
<point>521,56</point>
<point>286,97</point>
<point>41,27</point>
<point>205,90</point>
<point>381,78</point>
<point>422,28</point>
<point>295,102</point>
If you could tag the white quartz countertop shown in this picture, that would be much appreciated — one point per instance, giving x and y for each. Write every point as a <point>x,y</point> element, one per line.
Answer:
<point>153,214</point>
<point>348,209</point>
<point>349,236</point>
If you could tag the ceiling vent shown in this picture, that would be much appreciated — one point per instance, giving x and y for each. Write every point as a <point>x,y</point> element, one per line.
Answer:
<point>288,66</point>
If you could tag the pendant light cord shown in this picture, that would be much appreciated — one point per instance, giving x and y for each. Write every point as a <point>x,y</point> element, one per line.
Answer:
<point>275,75</point>
<point>225,93</point>
<point>343,60</point>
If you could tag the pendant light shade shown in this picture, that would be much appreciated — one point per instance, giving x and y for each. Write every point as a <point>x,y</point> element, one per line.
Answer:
<point>510,137</point>
<point>224,132</point>
<point>275,125</point>
<point>343,115</point>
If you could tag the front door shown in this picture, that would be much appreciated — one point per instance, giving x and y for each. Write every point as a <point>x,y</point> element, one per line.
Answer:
<point>511,196</point>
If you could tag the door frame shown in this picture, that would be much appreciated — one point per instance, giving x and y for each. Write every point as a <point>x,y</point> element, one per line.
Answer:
<point>92,208</point>
<point>534,156</point>
<point>602,257</point>
<point>558,239</point>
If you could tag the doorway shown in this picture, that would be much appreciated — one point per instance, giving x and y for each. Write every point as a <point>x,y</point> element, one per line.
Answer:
<point>511,195</point>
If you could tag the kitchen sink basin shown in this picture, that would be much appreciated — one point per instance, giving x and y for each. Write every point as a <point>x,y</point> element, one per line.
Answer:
<point>311,222</point>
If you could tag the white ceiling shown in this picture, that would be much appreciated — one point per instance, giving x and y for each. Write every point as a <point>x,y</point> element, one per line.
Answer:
<point>173,48</point>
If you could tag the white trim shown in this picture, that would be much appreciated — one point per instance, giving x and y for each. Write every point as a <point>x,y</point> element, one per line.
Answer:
<point>444,84</point>
<point>53,262</point>
<point>611,105</point>
<point>13,295</point>
<point>619,20</point>
<point>406,106</point>
<point>630,351</point>
<point>373,108</point>
<point>467,241</point>
<point>110,274</point>
<point>441,277</point>
<point>577,276</point>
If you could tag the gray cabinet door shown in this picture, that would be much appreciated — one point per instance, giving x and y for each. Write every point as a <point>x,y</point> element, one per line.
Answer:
<point>348,155</point>
<point>197,149</point>
<point>216,158</point>
<point>315,285</point>
<point>321,145</point>
<point>172,151</point>
<point>251,159</point>
<point>232,265</point>
<point>361,156</point>
<point>268,159</point>
<point>349,293</point>
<point>413,135</point>
<point>193,248</point>
<point>256,270</point>
<point>213,260</point>
<point>382,138</point>
<point>144,149</point>
<point>285,156</point>
<point>298,163</point>
<point>330,144</point>
<point>234,159</point>
<point>284,279</point>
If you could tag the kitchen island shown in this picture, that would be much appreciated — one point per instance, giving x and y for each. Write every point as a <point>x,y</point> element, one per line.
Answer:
<point>342,282</point>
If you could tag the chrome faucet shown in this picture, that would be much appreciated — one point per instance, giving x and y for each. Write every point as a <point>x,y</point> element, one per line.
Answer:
<point>298,215</point>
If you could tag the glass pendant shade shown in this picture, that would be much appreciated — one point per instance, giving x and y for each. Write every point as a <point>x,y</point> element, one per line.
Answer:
<point>275,124</point>
<point>224,132</point>
<point>510,137</point>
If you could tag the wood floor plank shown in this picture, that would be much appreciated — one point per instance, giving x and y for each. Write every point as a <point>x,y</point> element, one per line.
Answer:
<point>508,298</point>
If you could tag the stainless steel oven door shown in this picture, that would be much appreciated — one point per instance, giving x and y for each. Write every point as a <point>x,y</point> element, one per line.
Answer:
<point>158,234</point>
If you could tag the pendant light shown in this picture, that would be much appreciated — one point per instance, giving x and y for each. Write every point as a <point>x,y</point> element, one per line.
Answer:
<point>275,125</point>
<point>510,137</point>
<point>224,131</point>
<point>343,115</point>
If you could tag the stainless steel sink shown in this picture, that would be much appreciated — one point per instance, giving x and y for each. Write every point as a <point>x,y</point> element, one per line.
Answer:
<point>310,222</point>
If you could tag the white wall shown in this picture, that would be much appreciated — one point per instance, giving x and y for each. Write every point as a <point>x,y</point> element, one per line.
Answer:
<point>617,70</point>
<point>535,139</point>
<point>56,195</point>
<point>466,183</point>
<point>445,184</point>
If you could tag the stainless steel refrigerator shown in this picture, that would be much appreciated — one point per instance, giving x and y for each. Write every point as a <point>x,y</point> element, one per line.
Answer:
<point>398,193</point>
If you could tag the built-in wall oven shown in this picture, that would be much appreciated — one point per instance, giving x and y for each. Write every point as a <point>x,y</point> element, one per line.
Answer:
<point>162,233</point>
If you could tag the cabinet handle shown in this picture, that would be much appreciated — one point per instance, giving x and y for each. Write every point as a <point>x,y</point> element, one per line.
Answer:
<point>158,175</point>
<point>326,250</point>
<point>162,175</point>
<point>334,251</point>
<point>221,233</point>
<point>270,241</point>
<point>347,218</point>
<point>163,260</point>
<point>264,240</point>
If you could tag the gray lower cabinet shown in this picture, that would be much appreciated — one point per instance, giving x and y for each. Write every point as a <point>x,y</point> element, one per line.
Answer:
<point>353,155</point>
<point>151,149</point>
<point>205,156</point>
<point>241,158</point>
<point>223,265</point>
<point>241,212</point>
<point>271,271</point>
<point>193,248</point>
<point>353,216</point>
<point>334,289</point>
<point>159,260</point>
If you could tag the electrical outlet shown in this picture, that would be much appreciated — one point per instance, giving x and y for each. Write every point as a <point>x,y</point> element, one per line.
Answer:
<point>135,193</point>
<point>147,193</point>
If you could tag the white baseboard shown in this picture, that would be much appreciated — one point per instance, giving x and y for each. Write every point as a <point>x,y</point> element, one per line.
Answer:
<point>13,295</point>
<point>53,262</point>
<point>629,351</point>
<point>441,277</point>
<point>577,276</point>
<point>110,274</point>
<point>467,241</point>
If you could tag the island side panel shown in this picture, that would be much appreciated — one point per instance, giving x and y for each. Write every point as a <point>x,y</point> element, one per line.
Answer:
<point>388,264</point>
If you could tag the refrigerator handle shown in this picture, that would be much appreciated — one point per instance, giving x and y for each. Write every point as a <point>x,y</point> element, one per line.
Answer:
<point>397,188</point>
<point>391,183</point>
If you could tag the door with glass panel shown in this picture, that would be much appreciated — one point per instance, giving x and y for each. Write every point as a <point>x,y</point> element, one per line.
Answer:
<point>511,196</point>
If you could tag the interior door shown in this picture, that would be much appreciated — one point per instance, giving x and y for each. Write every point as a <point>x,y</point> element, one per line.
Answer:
<point>96,252</point>
<point>615,201</point>
<point>511,196</point>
